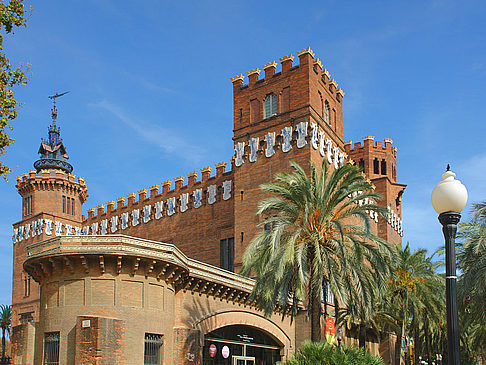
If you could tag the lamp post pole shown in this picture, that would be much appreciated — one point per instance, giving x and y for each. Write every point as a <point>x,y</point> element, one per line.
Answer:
<point>449,198</point>
<point>449,222</point>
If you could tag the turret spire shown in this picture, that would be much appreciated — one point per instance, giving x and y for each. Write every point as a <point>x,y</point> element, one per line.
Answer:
<point>52,152</point>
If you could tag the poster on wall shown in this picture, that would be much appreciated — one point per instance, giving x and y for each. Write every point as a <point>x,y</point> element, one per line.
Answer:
<point>212,350</point>
<point>225,352</point>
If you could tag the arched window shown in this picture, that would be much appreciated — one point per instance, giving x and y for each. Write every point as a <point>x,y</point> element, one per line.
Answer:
<point>327,112</point>
<point>376,166</point>
<point>270,106</point>
<point>321,105</point>
<point>361,165</point>
<point>383,167</point>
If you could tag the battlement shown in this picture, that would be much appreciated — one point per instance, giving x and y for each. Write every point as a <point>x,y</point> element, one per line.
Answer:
<point>156,192</point>
<point>307,62</point>
<point>370,145</point>
<point>33,180</point>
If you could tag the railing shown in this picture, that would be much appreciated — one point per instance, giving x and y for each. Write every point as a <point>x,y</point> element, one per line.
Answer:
<point>153,344</point>
<point>49,163</point>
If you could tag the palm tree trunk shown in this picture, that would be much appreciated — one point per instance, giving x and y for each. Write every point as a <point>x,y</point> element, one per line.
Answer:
<point>427,343</point>
<point>398,345</point>
<point>3,343</point>
<point>362,335</point>
<point>416,344</point>
<point>315,311</point>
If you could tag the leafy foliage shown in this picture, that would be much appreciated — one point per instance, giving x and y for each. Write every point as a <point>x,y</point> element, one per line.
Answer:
<point>5,321</point>
<point>320,239</point>
<point>416,294</point>
<point>11,16</point>
<point>315,353</point>
<point>471,256</point>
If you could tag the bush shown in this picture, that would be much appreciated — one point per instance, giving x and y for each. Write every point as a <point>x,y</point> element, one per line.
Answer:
<point>321,353</point>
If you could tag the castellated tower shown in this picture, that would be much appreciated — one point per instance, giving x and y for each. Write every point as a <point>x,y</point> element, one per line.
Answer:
<point>52,200</point>
<point>379,162</point>
<point>295,114</point>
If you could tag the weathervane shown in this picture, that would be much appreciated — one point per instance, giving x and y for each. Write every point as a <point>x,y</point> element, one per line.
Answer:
<point>54,109</point>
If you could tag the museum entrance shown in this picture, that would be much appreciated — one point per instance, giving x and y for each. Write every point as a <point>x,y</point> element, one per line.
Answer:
<point>240,345</point>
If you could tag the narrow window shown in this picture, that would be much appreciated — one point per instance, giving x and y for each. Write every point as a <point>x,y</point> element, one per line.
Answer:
<point>30,204</point>
<point>223,254</point>
<point>231,254</point>
<point>63,204</point>
<point>51,348</point>
<point>28,285</point>
<point>327,112</point>
<point>321,105</point>
<point>270,106</point>
<point>68,205</point>
<point>376,166</point>
<point>25,287</point>
<point>72,206</point>
<point>241,114</point>
<point>362,165</point>
<point>153,349</point>
<point>383,167</point>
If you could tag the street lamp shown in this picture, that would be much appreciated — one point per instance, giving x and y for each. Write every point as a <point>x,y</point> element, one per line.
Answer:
<point>449,198</point>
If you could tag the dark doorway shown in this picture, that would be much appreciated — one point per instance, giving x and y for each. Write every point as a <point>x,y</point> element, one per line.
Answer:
<point>240,345</point>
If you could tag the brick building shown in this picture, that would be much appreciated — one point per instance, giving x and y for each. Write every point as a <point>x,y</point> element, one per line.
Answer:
<point>134,282</point>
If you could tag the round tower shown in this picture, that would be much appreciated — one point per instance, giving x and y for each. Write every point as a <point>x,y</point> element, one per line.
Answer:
<point>52,202</point>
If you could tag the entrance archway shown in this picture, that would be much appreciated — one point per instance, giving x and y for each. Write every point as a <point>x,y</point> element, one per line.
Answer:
<point>240,345</point>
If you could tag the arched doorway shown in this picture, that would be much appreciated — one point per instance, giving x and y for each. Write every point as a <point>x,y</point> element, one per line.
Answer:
<point>240,345</point>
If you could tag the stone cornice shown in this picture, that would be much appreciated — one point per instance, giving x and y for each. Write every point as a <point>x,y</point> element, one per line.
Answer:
<point>126,246</point>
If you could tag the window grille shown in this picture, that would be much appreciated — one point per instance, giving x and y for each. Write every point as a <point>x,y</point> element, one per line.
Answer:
<point>270,106</point>
<point>51,348</point>
<point>153,353</point>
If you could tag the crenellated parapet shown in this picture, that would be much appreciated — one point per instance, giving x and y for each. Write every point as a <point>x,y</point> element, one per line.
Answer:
<point>306,59</point>
<point>370,145</point>
<point>51,179</point>
<point>376,158</point>
<point>172,199</point>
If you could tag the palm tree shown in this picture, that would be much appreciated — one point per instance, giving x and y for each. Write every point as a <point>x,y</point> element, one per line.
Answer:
<point>5,319</point>
<point>319,239</point>
<point>410,291</point>
<point>471,257</point>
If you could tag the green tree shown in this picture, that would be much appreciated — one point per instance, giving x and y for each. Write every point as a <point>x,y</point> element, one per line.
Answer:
<point>471,257</point>
<point>5,320</point>
<point>313,353</point>
<point>411,292</point>
<point>319,239</point>
<point>11,16</point>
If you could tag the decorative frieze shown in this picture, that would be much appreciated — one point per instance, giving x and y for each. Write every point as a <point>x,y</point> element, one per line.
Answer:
<point>118,223</point>
<point>317,137</point>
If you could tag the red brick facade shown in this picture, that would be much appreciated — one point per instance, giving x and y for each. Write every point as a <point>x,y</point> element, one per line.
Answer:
<point>305,125</point>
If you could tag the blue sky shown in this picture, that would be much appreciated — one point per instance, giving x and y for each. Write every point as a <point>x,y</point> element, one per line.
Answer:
<point>151,97</point>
